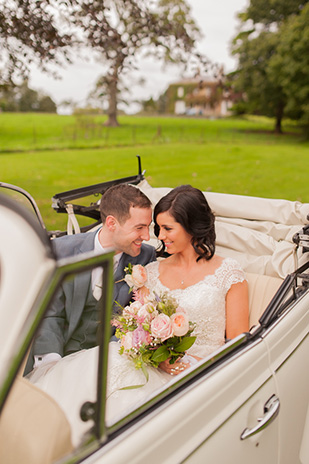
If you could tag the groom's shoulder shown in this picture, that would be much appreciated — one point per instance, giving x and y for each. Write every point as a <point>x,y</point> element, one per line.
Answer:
<point>70,245</point>
<point>147,254</point>
<point>148,251</point>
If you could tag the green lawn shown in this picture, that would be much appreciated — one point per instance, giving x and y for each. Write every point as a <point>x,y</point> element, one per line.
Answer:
<point>241,156</point>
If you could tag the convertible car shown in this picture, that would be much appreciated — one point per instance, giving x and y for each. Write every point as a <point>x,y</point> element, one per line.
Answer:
<point>246,402</point>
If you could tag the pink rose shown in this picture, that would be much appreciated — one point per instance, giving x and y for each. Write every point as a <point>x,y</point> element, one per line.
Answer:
<point>127,341</point>
<point>138,278</point>
<point>132,309</point>
<point>147,312</point>
<point>180,324</point>
<point>140,336</point>
<point>161,327</point>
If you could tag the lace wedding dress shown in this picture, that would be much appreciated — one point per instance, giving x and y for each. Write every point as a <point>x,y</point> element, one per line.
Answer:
<point>72,380</point>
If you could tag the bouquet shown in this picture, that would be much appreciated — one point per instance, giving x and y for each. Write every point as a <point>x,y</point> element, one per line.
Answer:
<point>154,327</point>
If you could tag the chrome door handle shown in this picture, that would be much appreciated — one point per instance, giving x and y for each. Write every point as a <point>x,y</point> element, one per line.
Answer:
<point>271,411</point>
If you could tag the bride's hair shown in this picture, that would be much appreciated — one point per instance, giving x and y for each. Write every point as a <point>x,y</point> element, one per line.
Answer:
<point>190,209</point>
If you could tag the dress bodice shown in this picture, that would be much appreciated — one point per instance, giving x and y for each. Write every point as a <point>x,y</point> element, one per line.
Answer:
<point>204,302</point>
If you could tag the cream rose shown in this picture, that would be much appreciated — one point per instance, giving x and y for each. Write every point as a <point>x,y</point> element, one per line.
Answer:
<point>147,312</point>
<point>180,324</point>
<point>161,327</point>
<point>138,278</point>
<point>181,310</point>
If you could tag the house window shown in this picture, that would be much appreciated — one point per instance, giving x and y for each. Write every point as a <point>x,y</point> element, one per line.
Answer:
<point>180,92</point>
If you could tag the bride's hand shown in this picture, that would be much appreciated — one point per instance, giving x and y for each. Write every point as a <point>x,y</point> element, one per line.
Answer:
<point>175,368</point>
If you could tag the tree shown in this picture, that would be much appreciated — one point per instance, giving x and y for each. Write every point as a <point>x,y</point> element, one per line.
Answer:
<point>31,32</point>
<point>290,67</point>
<point>256,47</point>
<point>46,105</point>
<point>100,96</point>
<point>121,30</point>
<point>263,95</point>
<point>21,98</point>
<point>149,106</point>
<point>268,12</point>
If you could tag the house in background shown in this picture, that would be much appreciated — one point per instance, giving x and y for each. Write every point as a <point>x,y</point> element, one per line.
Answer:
<point>198,96</point>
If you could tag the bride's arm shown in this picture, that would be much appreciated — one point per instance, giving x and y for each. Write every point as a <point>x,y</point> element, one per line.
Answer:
<point>237,310</point>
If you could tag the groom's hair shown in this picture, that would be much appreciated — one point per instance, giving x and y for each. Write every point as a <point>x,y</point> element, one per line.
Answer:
<point>118,199</point>
<point>190,209</point>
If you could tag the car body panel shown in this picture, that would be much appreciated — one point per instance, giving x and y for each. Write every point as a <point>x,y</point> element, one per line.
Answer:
<point>203,413</point>
<point>183,427</point>
<point>288,346</point>
<point>26,267</point>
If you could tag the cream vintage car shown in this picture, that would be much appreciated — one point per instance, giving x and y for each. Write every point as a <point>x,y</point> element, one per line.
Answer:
<point>247,402</point>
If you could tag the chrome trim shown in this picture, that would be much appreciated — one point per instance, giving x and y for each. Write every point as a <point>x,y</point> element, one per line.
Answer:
<point>29,198</point>
<point>271,411</point>
<point>105,317</point>
<point>287,310</point>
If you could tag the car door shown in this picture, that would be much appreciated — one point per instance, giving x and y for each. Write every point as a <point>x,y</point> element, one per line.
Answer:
<point>202,420</point>
<point>238,404</point>
<point>288,346</point>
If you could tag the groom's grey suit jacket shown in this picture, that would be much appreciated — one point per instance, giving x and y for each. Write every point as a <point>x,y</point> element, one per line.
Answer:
<point>67,308</point>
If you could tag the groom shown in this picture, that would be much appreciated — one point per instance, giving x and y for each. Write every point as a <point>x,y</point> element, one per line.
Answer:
<point>71,322</point>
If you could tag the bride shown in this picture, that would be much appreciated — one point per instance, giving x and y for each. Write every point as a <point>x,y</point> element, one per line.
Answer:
<point>211,289</point>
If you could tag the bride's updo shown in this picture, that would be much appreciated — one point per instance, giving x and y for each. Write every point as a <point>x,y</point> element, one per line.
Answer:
<point>189,208</point>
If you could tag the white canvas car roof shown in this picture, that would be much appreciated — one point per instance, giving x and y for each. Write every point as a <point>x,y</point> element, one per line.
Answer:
<point>258,232</point>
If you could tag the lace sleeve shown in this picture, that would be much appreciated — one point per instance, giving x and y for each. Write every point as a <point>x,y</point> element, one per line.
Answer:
<point>230,273</point>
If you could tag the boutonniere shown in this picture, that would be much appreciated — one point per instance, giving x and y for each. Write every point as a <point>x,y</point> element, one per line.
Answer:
<point>136,276</point>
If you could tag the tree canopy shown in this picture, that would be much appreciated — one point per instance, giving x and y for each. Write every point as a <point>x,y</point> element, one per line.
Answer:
<point>272,53</point>
<point>31,31</point>
<point>127,28</point>
<point>116,31</point>
<point>22,98</point>
<point>290,66</point>
<point>272,11</point>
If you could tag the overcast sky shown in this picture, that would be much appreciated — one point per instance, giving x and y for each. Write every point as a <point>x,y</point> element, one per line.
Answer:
<point>218,22</point>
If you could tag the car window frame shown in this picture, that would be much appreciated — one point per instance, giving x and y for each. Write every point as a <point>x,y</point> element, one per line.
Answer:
<point>66,268</point>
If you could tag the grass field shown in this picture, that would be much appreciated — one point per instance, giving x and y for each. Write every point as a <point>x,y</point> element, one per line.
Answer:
<point>46,154</point>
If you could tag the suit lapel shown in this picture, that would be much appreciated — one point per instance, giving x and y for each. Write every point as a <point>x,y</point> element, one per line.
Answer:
<point>123,262</point>
<point>80,286</point>
<point>119,275</point>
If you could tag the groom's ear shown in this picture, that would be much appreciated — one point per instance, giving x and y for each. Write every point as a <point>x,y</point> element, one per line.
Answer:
<point>111,222</point>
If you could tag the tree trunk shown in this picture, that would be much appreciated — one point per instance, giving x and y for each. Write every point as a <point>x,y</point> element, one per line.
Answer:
<point>112,101</point>
<point>279,116</point>
<point>278,127</point>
